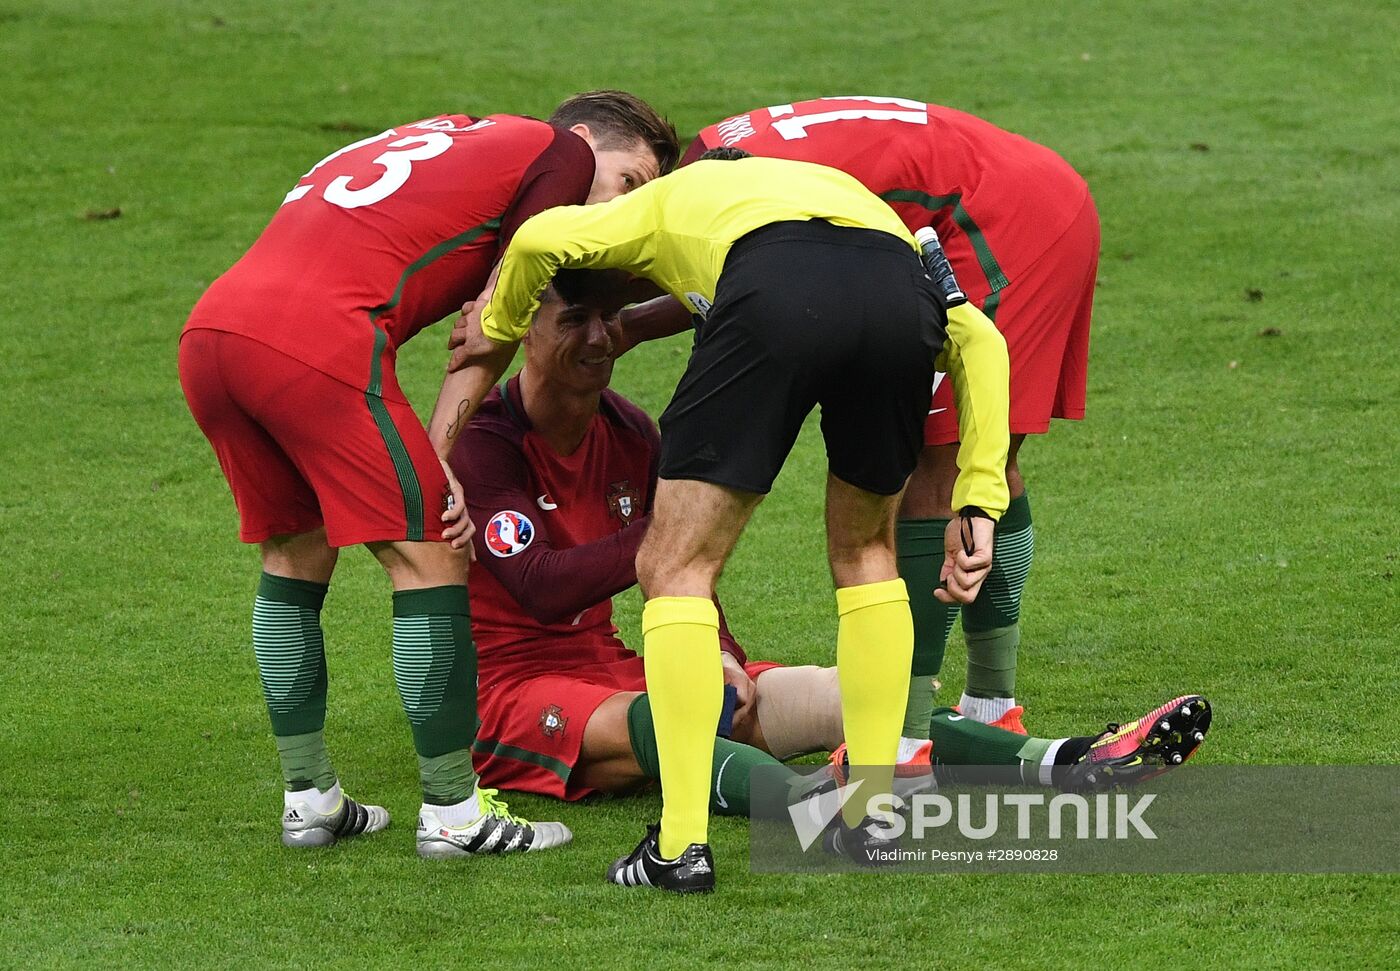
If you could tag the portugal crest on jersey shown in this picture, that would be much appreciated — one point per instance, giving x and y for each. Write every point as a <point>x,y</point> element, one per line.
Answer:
<point>623,501</point>
<point>509,532</point>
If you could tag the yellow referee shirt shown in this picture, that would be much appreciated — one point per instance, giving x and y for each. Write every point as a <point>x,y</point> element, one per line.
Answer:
<point>677,230</point>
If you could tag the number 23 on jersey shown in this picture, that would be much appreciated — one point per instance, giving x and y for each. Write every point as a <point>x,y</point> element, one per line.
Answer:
<point>395,159</point>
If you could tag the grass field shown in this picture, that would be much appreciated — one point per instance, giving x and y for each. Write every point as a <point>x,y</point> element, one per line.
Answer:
<point>1225,521</point>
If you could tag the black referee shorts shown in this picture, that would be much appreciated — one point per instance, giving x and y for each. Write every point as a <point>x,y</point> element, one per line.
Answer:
<point>807,314</point>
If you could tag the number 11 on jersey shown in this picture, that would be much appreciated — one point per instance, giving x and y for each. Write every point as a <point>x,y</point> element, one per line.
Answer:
<point>793,126</point>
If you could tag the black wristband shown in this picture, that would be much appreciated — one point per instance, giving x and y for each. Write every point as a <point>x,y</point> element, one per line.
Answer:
<point>974,512</point>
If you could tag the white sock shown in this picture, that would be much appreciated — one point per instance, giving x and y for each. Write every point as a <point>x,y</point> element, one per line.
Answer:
<point>985,710</point>
<point>909,747</point>
<point>458,814</point>
<point>318,801</point>
<point>1047,762</point>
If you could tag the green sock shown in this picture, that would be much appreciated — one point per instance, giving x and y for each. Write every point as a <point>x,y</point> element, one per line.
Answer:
<point>435,670</point>
<point>959,741</point>
<point>291,653</point>
<point>991,623</point>
<point>920,544</point>
<point>731,792</point>
<point>966,741</point>
<point>305,762</point>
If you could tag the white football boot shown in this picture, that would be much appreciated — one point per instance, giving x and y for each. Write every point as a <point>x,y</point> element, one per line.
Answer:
<point>496,830</point>
<point>313,818</point>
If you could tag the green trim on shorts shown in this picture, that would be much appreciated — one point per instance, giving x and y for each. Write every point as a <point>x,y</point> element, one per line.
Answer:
<point>407,475</point>
<point>991,269</point>
<point>488,746</point>
<point>398,452</point>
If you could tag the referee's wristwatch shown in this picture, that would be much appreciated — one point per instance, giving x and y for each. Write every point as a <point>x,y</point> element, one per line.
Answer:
<point>965,515</point>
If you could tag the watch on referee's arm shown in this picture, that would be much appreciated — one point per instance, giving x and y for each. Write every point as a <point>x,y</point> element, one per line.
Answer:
<point>965,516</point>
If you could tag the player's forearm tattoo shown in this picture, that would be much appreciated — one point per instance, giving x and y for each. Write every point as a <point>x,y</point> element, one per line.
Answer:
<point>461,418</point>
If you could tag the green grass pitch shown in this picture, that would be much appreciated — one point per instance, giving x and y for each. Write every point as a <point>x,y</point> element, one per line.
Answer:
<point>1225,521</point>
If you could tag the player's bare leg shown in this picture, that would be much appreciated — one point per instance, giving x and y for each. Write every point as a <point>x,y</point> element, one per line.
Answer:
<point>300,556</point>
<point>606,760</point>
<point>435,670</point>
<point>875,636</point>
<point>694,527</point>
<point>992,632</point>
<point>290,649</point>
<point>414,566</point>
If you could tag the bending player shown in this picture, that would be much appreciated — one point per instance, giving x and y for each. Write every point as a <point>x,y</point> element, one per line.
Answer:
<point>287,363</point>
<point>1022,234</point>
<point>561,473</point>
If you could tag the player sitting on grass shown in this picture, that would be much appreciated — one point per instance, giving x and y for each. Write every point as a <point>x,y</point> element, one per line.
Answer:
<point>559,474</point>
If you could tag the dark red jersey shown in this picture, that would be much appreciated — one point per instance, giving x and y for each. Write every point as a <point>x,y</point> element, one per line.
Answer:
<point>556,536</point>
<point>997,200</point>
<point>391,234</point>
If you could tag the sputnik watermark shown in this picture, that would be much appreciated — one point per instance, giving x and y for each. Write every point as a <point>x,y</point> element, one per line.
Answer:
<point>1208,819</point>
<point>982,816</point>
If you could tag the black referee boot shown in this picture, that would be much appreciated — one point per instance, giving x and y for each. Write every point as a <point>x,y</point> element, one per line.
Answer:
<point>691,872</point>
<point>866,844</point>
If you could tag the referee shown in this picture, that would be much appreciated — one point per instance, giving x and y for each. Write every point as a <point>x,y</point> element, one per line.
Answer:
<point>809,291</point>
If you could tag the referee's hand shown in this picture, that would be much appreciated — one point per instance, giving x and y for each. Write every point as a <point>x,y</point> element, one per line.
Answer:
<point>963,572</point>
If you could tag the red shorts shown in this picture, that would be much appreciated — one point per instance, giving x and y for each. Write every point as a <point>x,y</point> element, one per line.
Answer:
<point>533,713</point>
<point>301,450</point>
<point>1044,315</point>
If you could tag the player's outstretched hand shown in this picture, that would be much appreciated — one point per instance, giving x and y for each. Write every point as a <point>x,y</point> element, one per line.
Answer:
<point>458,529</point>
<point>963,572</point>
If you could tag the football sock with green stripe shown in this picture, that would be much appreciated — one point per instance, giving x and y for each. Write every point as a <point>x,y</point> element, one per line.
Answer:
<point>920,545</point>
<point>962,741</point>
<point>991,623</point>
<point>959,740</point>
<point>731,790</point>
<point>290,649</point>
<point>435,670</point>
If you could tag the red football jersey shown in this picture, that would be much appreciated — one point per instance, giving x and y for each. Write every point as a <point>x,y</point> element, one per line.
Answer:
<point>391,234</point>
<point>556,536</point>
<point>997,200</point>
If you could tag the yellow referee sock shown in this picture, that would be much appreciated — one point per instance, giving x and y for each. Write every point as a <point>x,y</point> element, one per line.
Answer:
<point>685,682</point>
<point>874,647</point>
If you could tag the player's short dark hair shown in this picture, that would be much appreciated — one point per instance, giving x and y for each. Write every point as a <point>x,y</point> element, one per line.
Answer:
<point>724,154</point>
<point>596,288</point>
<point>617,119</point>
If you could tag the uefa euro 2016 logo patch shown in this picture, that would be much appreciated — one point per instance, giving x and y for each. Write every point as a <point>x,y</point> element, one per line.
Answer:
<point>509,532</point>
